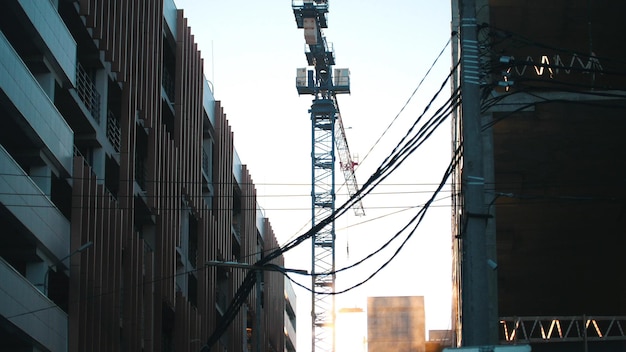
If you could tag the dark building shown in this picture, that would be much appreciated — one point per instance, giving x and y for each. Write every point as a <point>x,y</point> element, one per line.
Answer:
<point>118,182</point>
<point>553,102</point>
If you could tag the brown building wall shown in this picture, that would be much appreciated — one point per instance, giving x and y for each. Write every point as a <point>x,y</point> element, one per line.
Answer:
<point>125,293</point>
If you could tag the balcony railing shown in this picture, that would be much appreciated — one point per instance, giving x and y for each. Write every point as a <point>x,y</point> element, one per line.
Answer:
<point>168,85</point>
<point>114,131</point>
<point>206,165</point>
<point>87,92</point>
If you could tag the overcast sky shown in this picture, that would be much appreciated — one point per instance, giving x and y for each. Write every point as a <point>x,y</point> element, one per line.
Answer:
<point>251,51</point>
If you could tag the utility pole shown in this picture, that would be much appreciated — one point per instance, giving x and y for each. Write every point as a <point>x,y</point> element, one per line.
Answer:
<point>475,292</point>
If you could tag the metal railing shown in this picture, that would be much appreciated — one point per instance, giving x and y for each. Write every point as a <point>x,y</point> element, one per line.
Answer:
<point>168,84</point>
<point>206,166</point>
<point>514,330</point>
<point>87,92</point>
<point>114,131</point>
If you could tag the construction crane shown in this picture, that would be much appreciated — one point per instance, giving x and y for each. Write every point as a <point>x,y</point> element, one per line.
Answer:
<point>324,84</point>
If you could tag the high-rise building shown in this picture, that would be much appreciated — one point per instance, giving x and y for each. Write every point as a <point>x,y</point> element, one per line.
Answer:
<point>552,109</point>
<point>119,181</point>
<point>396,324</point>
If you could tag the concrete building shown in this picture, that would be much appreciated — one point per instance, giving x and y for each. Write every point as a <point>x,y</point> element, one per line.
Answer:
<point>118,182</point>
<point>290,317</point>
<point>552,112</point>
<point>396,324</point>
<point>439,339</point>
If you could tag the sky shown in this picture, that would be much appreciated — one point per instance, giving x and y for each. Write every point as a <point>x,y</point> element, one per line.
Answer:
<point>251,51</point>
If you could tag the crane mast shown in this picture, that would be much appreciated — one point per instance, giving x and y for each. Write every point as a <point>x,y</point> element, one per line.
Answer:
<point>327,131</point>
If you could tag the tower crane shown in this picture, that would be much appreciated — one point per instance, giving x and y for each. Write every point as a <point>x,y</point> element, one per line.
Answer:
<point>327,132</point>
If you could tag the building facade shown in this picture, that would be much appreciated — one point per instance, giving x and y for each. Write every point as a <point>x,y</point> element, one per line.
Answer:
<point>290,318</point>
<point>552,104</point>
<point>396,324</point>
<point>118,182</point>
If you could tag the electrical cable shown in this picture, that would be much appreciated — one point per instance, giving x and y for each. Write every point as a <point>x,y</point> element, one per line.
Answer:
<point>417,219</point>
<point>248,283</point>
<point>408,100</point>
<point>389,165</point>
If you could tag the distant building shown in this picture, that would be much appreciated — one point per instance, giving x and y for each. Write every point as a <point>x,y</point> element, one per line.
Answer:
<point>396,324</point>
<point>290,317</point>
<point>351,330</point>
<point>119,181</point>
<point>438,340</point>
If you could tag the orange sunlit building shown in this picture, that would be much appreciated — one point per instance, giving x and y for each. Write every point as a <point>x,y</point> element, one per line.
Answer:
<point>396,324</point>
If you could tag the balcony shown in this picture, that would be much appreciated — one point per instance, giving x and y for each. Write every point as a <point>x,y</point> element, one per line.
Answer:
<point>170,15</point>
<point>30,311</point>
<point>208,102</point>
<point>114,131</point>
<point>87,92</point>
<point>290,331</point>
<point>60,47</point>
<point>206,166</point>
<point>169,86</point>
<point>36,112</point>
<point>29,205</point>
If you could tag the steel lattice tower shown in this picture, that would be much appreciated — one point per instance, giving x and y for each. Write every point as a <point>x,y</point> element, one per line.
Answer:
<point>327,131</point>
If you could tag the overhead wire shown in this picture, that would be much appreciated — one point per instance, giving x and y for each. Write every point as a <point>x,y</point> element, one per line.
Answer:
<point>415,221</point>
<point>241,296</point>
<point>399,154</point>
<point>382,173</point>
<point>400,112</point>
<point>409,99</point>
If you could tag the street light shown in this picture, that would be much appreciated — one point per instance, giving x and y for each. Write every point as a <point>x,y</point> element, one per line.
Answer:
<point>256,267</point>
<point>60,261</point>
<point>259,269</point>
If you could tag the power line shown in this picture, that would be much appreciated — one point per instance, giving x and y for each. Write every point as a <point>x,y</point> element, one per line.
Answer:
<point>408,100</point>
<point>415,221</point>
<point>390,164</point>
<point>407,145</point>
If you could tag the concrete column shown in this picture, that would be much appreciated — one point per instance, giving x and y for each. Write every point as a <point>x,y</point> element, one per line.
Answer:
<point>36,273</point>
<point>98,163</point>
<point>42,176</point>
<point>47,83</point>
